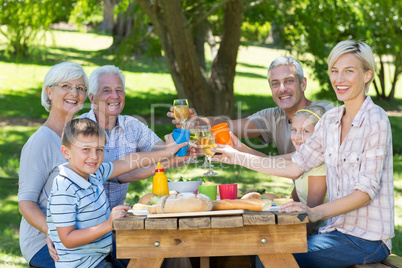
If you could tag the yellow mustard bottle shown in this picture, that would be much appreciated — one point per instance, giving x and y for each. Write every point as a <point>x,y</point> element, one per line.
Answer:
<point>160,184</point>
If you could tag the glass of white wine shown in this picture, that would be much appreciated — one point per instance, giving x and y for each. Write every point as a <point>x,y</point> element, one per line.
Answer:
<point>204,131</point>
<point>206,144</point>
<point>181,110</point>
<point>194,136</point>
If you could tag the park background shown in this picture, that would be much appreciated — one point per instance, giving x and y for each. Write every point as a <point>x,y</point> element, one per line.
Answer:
<point>38,34</point>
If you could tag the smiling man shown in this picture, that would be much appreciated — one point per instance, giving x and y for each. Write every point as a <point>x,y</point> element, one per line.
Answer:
<point>125,134</point>
<point>288,84</point>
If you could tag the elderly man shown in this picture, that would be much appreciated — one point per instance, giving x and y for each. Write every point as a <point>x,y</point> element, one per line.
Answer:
<point>125,134</point>
<point>288,84</point>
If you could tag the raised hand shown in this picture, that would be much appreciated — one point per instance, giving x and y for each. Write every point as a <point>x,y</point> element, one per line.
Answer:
<point>171,145</point>
<point>177,122</point>
<point>228,155</point>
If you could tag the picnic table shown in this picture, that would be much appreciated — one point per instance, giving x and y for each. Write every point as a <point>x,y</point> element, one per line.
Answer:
<point>273,236</point>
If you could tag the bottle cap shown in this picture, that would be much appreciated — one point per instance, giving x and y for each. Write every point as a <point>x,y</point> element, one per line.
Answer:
<point>159,168</point>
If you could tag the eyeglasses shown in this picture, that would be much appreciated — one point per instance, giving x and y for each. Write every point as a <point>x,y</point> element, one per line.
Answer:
<point>68,87</point>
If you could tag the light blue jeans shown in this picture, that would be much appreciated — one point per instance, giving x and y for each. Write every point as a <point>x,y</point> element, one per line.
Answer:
<point>335,249</point>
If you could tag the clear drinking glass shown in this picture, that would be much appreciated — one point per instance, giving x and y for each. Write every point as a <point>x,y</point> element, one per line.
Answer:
<point>194,136</point>
<point>206,144</point>
<point>204,131</point>
<point>181,110</point>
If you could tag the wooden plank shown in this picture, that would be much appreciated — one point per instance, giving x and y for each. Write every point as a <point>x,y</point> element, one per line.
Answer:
<point>393,261</point>
<point>227,222</point>
<point>278,260</point>
<point>204,262</point>
<point>247,240</point>
<point>258,218</point>
<point>161,224</point>
<point>129,223</point>
<point>291,218</point>
<point>197,214</point>
<point>145,263</point>
<point>194,223</point>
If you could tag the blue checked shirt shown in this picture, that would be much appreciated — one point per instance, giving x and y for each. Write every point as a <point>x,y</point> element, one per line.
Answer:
<point>129,136</point>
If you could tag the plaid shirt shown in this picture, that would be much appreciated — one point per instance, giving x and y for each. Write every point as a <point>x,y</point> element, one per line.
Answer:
<point>362,162</point>
<point>129,136</point>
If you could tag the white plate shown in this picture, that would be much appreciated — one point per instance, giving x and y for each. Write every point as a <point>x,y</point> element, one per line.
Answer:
<point>275,208</point>
<point>140,212</point>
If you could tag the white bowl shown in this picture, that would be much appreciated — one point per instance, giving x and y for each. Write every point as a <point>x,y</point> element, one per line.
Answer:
<point>184,186</point>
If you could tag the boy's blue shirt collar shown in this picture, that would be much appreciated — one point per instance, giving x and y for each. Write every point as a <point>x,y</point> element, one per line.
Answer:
<point>64,170</point>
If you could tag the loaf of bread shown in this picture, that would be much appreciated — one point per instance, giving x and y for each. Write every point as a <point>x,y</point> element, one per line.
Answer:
<point>147,199</point>
<point>183,202</point>
<point>247,204</point>
<point>252,195</point>
<point>270,196</point>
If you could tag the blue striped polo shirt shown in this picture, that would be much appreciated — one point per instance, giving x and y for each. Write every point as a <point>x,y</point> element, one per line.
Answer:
<point>76,201</point>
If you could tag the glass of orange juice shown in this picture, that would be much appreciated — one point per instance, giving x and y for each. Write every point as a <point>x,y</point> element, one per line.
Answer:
<point>181,110</point>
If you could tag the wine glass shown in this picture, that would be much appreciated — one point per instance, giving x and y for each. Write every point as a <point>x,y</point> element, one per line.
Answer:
<point>206,144</point>
<point>194,136</point>
<point>204,131</point>
<point>181,110</point>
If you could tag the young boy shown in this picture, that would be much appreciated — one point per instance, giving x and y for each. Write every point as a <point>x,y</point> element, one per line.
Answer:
<point>78,213</point>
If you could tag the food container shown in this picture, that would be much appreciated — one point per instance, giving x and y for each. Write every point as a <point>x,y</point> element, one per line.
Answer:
<point>184,186</point>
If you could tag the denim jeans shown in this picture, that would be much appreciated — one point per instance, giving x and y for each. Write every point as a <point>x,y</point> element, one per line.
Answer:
<point>335,249</point>
<point>42,259</point>
<point>104,264</point>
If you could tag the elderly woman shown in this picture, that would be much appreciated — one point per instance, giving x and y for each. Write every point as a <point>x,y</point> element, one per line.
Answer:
<point>355,142</point>
<point>63,94</point>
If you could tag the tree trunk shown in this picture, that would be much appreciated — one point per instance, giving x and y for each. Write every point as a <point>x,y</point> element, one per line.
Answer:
<point>108,15</point>
<point>123,25</point>
<point>209,95</point>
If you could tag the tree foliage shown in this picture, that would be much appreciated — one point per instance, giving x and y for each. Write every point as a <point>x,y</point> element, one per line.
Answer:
<point>26,20</point>
<point>181,27</point>
<point>314,27</point>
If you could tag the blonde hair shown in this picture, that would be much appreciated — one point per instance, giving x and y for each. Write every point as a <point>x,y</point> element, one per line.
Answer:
<point>312,112</point>
<point>361,50</point>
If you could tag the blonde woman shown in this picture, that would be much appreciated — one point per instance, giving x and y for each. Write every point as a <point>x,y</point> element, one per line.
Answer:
<point>355,143</point>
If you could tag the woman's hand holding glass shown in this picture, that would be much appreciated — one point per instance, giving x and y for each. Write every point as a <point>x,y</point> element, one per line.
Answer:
<point>228,154</point>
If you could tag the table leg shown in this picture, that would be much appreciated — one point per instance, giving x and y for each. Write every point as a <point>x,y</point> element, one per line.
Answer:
<point>278,260</point>
<point>145,263</point>
<point>204,262</point>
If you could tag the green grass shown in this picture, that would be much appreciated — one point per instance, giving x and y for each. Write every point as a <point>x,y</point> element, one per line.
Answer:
<point>148,82</point>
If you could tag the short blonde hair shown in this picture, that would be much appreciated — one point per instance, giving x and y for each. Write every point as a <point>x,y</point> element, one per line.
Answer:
<point>61,72</point>
<point>361,50</point>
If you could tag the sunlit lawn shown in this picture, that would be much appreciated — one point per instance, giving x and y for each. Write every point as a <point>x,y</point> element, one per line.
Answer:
<point>148,82</point>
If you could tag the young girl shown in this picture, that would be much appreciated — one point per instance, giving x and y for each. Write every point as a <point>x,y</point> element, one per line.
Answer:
<point>310,188</point>
<point>355,142</point>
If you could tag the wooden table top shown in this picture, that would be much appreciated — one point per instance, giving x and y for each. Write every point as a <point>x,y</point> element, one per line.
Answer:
<point>215,221</point>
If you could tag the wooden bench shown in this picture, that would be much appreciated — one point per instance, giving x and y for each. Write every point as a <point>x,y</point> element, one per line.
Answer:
<point>393,261</point>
